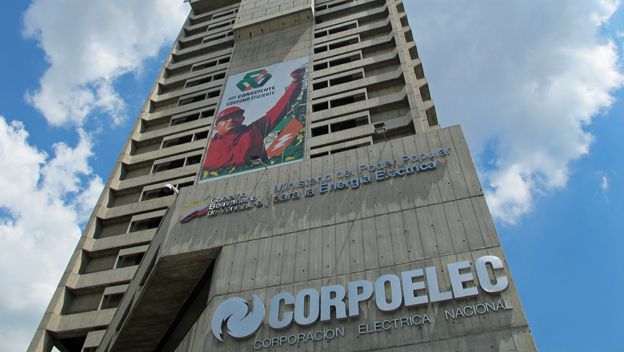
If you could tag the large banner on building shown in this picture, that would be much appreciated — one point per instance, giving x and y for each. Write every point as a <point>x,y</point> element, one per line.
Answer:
<point>260,122</point>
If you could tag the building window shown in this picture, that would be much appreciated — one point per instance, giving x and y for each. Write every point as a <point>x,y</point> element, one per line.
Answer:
<point>111,301</point>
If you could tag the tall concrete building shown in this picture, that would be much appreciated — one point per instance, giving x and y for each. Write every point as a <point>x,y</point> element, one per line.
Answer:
<point>287,187</point>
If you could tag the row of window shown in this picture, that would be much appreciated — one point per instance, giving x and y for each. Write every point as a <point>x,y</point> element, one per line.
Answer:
<point>185,118</point>
<point>166,104</point>
<point>216,32</point>
<point>336,45</point>
<point>331,4</point>
<point>188,138</point>
<point>177,163</point>
<point>214,75</point>
<point>377,25</point>
<point>342,8</point>
<point>199,96</point>
<point>182,45</point>
<point>318,154</point>
<point>340,126</point>
<point>338,102</point>
<point>162,191</point>
<point>336,29</point>
<point>207,18</point>
<point>210,63</point>
<point>342,79</point>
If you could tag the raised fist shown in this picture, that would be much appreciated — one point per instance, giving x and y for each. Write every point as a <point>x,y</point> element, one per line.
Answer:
<point>297,74</point>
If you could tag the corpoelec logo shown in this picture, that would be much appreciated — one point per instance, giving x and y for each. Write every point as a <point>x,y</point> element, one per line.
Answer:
<point>254,79</point>
<point>240,319</point>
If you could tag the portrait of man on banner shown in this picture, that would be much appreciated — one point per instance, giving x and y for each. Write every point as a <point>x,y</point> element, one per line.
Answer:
<point>261,116</point>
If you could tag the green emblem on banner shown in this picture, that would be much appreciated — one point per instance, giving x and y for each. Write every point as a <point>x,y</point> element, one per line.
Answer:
<point>254,79</point>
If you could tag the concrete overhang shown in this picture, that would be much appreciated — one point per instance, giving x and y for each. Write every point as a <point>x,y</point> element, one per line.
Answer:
<point>273,22</point>
<point>161,300</point>
<point>209,5</point>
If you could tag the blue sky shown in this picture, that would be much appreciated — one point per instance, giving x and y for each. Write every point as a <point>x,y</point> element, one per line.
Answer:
<point>536,87</point>
<point>565,255</point>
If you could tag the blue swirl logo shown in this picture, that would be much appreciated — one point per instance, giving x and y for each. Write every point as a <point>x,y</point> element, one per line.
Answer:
<point>239,320</point>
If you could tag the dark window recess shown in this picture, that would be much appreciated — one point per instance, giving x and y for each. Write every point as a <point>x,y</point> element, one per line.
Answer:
<point>215,37</point>
<point>190,43</point>
<point>418,71</point>
<point>349,148</point>
<point>156,193</point>
<point>189,33</point>
<point>184,119</point>
<point>344,60</point>
<point>404,22</point>
<point>342,28</point>
<point>222,14</point>
<point>320,34</point>
<point>220,25</point>
<point>198,82</point>
<point>424,92</point>
<point>129,260</point>
<point>342,44</point>
<point>206,65</point>
<point>201,135</point>
<point>111,301</point>
<point>146,224</point>
<point>73,344</point>
<point>400,8</point>
<point>224,60</point>
<point>413,53</point>
<point>219,76</point>
<point>200,20</point>
<point>345,125</point>
<point>191,160</point>
<point>192,99</point>
<point>320,66</point>
<point>320,106</point>
<point>345,79</point>
<point>207,113</point>
<point>318,155</point>
<point>347,100</point>
<point>169,165</point>
<point>319,131</point>
<point>409,37</point>
<point>214,93</point>
<point>320,49</point>
<point>185,184</point>
<point>339,3</point>
<point>177,141</point>
<point>320,85</point>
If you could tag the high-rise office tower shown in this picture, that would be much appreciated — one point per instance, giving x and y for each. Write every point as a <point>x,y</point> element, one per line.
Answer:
<point>287,187</point>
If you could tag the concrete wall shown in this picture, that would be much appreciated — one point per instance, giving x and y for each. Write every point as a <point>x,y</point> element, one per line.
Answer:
<point>430,218</point>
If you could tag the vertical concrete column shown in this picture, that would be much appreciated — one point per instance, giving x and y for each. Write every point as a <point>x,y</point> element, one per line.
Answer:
<point>417,105</point>
<point>281,30</point>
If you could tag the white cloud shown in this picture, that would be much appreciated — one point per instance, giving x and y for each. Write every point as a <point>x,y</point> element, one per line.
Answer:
<point>604,10</point>
<point>89,44</point>
<point>43,203</point>
<point>524,79</point>
<point>604,184</point>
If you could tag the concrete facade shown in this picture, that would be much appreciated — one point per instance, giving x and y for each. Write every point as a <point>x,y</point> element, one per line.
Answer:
<point>139,280</point>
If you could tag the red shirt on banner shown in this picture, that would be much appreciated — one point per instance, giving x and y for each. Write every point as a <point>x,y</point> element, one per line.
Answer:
<point>241,143</point>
